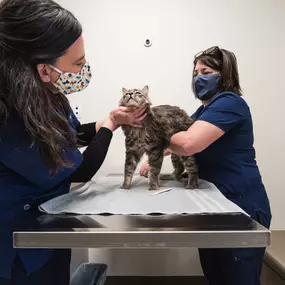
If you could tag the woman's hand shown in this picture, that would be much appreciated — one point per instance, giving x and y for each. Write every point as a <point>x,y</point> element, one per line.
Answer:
<point>122,116</point>
<point>144,169</point>
<point>109,124</point>
<point>167,152</point>
<point>128,116</point>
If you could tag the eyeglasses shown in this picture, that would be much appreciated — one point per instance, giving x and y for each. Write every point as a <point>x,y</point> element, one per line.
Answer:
<point>211,50</point>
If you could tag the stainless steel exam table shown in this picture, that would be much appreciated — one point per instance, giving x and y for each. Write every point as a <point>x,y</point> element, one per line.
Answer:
<point>156,231</point>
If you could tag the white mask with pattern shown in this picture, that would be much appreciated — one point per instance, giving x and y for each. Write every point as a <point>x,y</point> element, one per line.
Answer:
<point>69,82</point>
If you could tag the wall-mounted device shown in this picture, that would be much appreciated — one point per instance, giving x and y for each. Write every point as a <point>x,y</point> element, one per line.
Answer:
<point>147,43</point>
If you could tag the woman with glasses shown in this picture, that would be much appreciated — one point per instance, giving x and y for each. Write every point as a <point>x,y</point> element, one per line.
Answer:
<point>221,139</point>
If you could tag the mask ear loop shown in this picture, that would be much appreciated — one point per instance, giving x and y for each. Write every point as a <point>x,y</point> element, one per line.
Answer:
<point>61,72</point>
<point>55,68</point>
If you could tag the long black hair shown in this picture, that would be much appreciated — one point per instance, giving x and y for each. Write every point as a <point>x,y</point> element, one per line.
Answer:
<point>225,63</point>
<point>36,32</point>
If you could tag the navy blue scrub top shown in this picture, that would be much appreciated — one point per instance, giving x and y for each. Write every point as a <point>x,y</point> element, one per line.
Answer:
<point>25,182</point>
<point>229,162</point>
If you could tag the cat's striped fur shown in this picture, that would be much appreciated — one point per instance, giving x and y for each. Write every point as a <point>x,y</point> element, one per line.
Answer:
<point>160,124</point>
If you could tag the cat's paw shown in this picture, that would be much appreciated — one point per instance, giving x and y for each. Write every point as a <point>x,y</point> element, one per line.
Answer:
<point>125,186</point>
<point>192,185</point>
<point>153,187</point>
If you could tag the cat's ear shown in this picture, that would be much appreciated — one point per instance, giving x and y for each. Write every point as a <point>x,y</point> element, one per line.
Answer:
<point>145,90</point>
<point>124,90</point>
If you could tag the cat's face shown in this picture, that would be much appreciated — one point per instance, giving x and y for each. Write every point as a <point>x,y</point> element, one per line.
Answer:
<point>135,97</point>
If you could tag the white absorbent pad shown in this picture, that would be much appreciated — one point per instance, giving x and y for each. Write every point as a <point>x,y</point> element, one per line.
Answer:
<point>104,196</point>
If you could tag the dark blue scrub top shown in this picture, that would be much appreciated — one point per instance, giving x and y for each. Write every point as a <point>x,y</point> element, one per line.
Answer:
<point>229,162</point>
<point>25,183</point>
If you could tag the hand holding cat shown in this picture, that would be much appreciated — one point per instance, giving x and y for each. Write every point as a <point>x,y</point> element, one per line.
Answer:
<point>128,116</point>
<point>144,169</point>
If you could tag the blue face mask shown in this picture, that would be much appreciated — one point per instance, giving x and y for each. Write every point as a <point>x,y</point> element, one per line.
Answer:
<point>206,86</point>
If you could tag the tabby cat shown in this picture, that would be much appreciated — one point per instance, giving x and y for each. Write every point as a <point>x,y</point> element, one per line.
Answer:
<point>158,127</point>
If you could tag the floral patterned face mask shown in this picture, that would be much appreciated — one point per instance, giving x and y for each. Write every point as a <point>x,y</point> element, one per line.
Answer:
<point>69,82</point>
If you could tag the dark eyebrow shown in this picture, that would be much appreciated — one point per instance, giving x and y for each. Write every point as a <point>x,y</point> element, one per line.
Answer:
<point>79,59</point>
<point>203,69</point>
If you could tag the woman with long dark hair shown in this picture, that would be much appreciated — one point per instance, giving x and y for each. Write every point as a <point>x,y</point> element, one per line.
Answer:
<point>221,138</point>
<point>42,60</point>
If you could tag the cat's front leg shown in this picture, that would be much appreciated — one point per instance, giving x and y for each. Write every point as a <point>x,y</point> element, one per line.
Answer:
<point>133,156</point>
<point>155,159</point>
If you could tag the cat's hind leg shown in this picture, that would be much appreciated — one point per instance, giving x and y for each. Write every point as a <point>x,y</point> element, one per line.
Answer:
<point>155,159</point>
<point>192,170</point>
<point>178,167</point>
<point>133,157</point>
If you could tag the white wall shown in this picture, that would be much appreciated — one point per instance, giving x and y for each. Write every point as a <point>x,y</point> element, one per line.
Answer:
<point>115,31</point>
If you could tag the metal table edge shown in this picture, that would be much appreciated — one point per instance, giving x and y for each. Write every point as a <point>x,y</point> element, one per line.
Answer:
<point>141,239</point>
